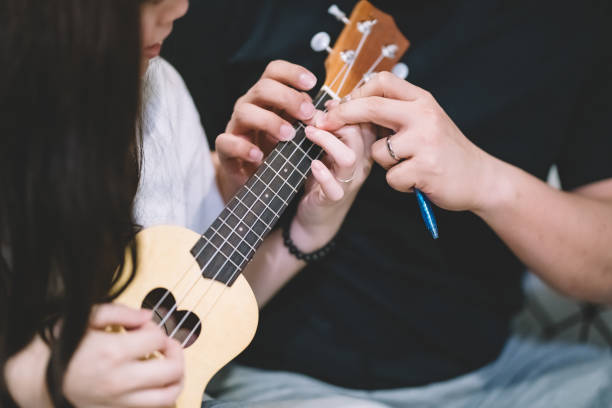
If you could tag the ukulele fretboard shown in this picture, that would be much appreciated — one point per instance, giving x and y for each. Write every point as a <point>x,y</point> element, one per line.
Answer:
<point>231,241</point>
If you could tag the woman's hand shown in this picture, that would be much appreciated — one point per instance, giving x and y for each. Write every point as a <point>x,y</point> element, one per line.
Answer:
<point>435,156</point>
<point>108,369</point>
<point>334,184</point>
<point>262,118</point>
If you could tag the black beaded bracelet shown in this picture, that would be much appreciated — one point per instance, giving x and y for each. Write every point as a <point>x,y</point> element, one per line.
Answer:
<point>310,257</point>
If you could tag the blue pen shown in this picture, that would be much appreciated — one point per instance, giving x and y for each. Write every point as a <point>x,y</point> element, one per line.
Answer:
<point>427,213</point>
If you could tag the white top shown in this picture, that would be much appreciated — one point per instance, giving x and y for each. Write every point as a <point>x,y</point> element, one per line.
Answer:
<point>177,183</point>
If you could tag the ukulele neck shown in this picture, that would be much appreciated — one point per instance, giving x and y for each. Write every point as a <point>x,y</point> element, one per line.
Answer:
<point>231,241</point>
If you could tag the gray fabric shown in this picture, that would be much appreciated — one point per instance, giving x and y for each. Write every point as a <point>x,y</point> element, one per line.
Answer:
<point>528,374</point>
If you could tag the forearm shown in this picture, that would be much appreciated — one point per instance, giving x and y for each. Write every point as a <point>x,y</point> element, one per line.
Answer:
<point>25,375</point>
<point>565,238</point>
<point>273,266</point>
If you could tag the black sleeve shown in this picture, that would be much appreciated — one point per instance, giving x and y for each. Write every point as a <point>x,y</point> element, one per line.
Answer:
<point>587,153</point>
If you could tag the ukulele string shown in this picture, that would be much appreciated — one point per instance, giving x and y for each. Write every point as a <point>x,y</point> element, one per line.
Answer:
<point>219,296</point>
<point>238,267</point>
<point>352,63</point>
<point>177,304</point>
<point>369,72</point>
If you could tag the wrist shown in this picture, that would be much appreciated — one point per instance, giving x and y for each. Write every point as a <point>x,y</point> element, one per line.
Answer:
<point>497,191</point>
<point>311,238</point>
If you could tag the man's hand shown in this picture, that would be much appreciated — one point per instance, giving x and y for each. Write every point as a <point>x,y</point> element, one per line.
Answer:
<point>435,156</point>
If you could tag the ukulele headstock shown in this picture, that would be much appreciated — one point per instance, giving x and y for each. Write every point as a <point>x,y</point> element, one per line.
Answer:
<point>370,42</point>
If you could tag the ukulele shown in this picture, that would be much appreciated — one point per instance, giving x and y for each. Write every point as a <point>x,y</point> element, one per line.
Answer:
<point>193,283</point>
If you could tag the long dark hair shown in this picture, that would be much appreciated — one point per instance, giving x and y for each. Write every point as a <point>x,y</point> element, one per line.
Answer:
<point>69,103</point>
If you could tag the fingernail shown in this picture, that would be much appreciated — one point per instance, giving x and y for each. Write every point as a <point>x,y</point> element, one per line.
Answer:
<point>256,155</point>
<point>317,166</point>
<point>308,81</point>
<point>309,130</point>
<point>287,132</point>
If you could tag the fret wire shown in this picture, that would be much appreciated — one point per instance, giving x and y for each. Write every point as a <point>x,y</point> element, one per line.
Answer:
<point>223,243</point>
<point>281,177</point>
<point>305,152</point>
<point>227,258</point>
<point>268,187</point>
<point>306,155</point>
<point>259,237</point>
<point>264,203</point>
<point>293,165</point>
<point>245,241</point>
<point>255,214</point>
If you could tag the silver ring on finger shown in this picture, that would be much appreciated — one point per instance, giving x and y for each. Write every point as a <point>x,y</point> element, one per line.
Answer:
<point>391,151</point>
<point>347,180</point>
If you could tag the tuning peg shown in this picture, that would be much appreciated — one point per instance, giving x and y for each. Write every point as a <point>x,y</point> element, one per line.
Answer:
<point>389,51</point>
<point>320,42</point>
<point>339,14</point>
<point>401,70</point>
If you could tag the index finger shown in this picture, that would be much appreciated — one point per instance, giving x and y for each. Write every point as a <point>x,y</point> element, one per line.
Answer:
<point>389,113</point>
<point>387,85</point>
<point>290,74</point>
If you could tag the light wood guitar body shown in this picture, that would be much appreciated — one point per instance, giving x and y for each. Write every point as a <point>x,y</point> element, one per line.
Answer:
<point>228,314</point>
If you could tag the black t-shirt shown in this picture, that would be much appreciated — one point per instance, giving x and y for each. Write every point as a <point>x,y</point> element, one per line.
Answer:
<point>527,81</point>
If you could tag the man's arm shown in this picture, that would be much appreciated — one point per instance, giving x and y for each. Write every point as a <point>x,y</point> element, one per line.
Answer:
<point>564,237</point>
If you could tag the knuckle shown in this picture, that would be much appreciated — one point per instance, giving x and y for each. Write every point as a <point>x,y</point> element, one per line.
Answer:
<point>274,67</point>
<point>348,159</point>
<point>427,95</point>
<point>259,89</point>
<point>240,112</point>
<point>385,78</point>
<point>240,101</point>
<point>391,178</point>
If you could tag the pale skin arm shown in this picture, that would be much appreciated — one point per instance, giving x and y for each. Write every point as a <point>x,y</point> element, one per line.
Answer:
<point>564,237</point>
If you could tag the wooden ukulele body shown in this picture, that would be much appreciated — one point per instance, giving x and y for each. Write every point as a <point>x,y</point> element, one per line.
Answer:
<point>228,314</point>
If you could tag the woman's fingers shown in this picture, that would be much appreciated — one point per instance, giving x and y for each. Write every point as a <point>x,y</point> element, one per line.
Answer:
<point>271,94</point>
<point>290,74</point>
<point>143,342</point>
<point>107,315</point>
<point>156,372</point>
<point>330,187</point>
<point>248,118</point>
<point>343,156</point>
<point>230,146</point>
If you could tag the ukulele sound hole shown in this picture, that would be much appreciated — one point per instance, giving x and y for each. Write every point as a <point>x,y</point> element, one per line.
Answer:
<point>185,334</point>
